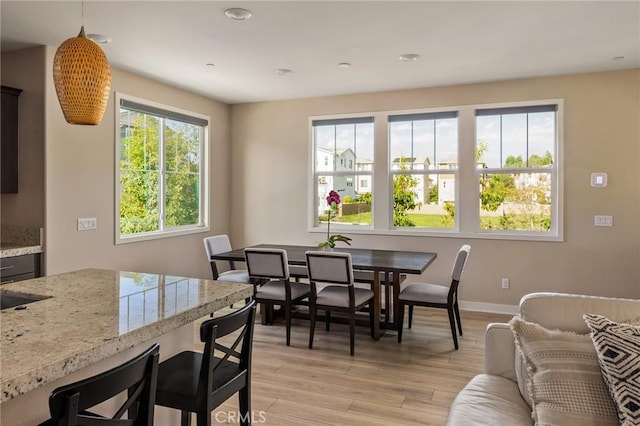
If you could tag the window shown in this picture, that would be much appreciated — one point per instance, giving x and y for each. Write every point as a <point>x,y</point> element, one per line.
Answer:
<point>424,158</point>
<point>161,171</point>
<point>516,167</point>
<point>474,171</point>
<point>344,141</point>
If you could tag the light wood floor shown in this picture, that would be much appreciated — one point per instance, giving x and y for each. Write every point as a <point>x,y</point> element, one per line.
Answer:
<point>385,383</point>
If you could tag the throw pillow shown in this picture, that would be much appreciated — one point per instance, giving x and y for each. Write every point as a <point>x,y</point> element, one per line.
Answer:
<point>565,383</point>
<point>522,377</point>
<point>618,347</point>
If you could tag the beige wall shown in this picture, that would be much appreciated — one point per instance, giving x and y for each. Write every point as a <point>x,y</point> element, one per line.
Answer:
<point>269,179</point>
<point>23,70</point>
<point>259,181</point>
<point>80,162</point>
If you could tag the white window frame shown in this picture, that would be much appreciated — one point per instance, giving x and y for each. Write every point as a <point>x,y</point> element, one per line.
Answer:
<point>467,220</point>
<point>313,224</point>
<point>203,224</point>
<point>418,172</point>
<point>556,231</point>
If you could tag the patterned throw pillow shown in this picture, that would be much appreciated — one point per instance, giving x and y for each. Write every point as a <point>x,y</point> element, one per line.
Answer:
<point>618,347</point>
<point>565,383</point>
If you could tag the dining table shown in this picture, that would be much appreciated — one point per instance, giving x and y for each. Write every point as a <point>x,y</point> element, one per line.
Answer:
<point>385,266</point>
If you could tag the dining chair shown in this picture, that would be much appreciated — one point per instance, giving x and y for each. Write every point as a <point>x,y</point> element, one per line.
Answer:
<point>195,382</point>
<point>220,244</point>
<point>269,270</point>
<point>68,404</point>
<point>336,270</point>
<point>436,296</point>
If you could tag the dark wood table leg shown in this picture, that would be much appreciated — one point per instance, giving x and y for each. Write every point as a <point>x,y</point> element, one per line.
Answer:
<point>376,306</point>
<point>387,299</point>
<point>396,303</point>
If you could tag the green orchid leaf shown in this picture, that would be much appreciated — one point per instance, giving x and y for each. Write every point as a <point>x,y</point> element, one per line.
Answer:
<point>337,237</point>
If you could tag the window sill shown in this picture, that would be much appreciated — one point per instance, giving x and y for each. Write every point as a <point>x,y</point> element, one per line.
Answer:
<point>440,234</point>
<point>158,235</point>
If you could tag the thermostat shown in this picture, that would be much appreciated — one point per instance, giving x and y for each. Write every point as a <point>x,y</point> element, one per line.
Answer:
<point>599,179</point>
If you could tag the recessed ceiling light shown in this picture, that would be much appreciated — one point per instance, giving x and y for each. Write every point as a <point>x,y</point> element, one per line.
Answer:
<point>617,58</point>
<point>344,65</point>
<point>409,57</point>
<point>238,14</point>
<point>283,71</point>
<point>99,38</point>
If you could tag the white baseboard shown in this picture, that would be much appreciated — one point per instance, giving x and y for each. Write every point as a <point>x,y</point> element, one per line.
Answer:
<point>493,308</point>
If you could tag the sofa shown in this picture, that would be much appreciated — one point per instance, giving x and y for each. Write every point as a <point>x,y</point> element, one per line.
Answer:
<point>502,394</point>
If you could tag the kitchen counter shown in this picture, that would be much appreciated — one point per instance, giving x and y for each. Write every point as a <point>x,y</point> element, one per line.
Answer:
<point>20,240</point>
<point>89,315</point>
<point>11,250</point>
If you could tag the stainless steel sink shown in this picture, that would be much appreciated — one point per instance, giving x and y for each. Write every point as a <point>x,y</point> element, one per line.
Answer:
<point>8,301</point>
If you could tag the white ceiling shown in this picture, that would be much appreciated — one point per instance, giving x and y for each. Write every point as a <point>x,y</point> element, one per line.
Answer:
<point>458,41</point>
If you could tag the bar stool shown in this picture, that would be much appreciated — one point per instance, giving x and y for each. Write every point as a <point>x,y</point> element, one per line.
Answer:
<point>195,382</point>
<point>68,404</point>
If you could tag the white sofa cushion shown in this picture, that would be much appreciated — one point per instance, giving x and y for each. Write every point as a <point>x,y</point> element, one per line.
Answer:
<point>489,400</point>
<point>565,311</point>
<point>565,383</point>
<point>618,347</point>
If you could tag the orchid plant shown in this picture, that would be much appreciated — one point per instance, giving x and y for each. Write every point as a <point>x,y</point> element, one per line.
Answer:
<point>332,201</point>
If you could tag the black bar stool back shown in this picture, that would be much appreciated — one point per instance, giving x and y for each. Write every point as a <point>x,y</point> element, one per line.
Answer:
<point>195,382</point>
<point>69,404</point>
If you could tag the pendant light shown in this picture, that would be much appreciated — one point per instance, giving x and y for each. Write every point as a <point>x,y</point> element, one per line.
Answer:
<point>82,78</point>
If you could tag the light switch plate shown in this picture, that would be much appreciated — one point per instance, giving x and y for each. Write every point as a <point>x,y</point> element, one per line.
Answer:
<point>599,180</point>
<point>87,223</point>
<point>600,220</point>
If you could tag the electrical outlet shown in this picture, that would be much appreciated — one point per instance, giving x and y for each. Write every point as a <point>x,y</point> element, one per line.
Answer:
<point>505,283</point>
<point>87,223</point>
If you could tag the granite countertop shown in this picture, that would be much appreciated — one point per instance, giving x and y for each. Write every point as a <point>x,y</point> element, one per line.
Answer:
<point>89,315</point>
<point>11,250</point>
<point>19,240</point>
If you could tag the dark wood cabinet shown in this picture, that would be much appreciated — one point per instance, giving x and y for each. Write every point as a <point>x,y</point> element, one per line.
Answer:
<point>19,268</point>
<point>9,124</point>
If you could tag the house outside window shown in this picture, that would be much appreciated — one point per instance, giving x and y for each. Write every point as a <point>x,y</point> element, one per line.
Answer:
<point>161,171</point>
<point>424,158</point>
<point>516,168</point>
<point>347,142</point>
<point>472,171</point>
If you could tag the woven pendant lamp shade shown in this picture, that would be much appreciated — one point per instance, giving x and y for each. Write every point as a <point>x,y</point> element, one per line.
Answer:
<point>82,77</point>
